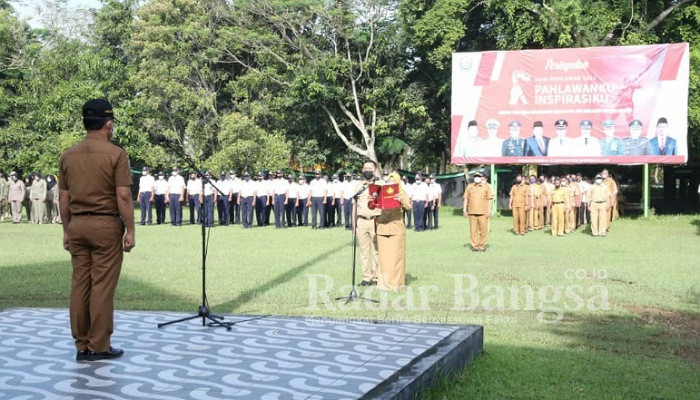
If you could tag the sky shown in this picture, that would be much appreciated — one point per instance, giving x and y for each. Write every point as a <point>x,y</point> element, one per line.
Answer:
<point>26,9</point>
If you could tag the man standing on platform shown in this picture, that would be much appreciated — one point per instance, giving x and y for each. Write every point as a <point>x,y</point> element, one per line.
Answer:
<point>364,226</point>
<point>161,188</point>
<point>519,202</point>
<point>194,189</point>
<point>175,196</point>
<point>477,207</point>
<point>146,195</point>
<point>96,208</point>
<point>599,205</point>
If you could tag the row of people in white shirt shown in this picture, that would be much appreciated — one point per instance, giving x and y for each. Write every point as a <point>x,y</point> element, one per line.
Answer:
<point>428,190</point>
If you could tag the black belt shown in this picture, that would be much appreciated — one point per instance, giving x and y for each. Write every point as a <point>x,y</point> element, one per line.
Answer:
<point>557,202</point>
<point>600,201</point>
<point>367,218</point>
<point>96,214</point>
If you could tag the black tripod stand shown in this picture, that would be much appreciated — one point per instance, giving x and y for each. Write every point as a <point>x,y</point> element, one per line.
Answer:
<point>203,310</point>
<point>353,292</point>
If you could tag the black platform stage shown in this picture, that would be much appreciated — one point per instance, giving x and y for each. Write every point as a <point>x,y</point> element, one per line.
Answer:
<point>271,358</point>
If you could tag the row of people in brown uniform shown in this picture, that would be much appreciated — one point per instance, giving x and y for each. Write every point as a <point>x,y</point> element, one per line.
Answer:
<point>564,203</point>
<point>36,193</point>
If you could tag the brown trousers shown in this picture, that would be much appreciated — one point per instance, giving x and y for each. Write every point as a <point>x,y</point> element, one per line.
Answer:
<point>519,220</point>
<point>95,245</point>
<point>16,207</point>
<point>367,239</point>
<point>478,225</point>
<point>558,219</point>
<point>599,223</point>
<point>392,262</point>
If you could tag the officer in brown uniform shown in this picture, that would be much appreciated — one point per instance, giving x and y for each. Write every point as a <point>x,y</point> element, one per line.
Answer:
<point>520,203</point>
<point>560,204</point>
<point>15,196</point>
<point>364,224</point>
<point>391,241</point>
<point>599,204</point>
<point>477,207</point>
<point>96,208</point>
<point>612,186</point>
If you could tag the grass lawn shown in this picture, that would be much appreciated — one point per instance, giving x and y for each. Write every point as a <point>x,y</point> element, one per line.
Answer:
<point>630,303</point>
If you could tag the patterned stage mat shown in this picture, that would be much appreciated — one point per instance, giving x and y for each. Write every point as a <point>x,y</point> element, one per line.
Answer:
<point>269,358</point>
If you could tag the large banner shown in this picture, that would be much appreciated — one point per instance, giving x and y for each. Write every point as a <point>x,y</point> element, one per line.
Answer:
<point>598,105</point>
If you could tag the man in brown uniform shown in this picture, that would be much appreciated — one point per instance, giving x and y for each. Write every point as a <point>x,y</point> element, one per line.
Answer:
<point>520,203</point>
<point>477,207</point>
<point>16,196</point>
<point>365,229</point>
<point>96,206</point>
<point>610,183</point>
<point>599,205</point>
<point>560,205</point>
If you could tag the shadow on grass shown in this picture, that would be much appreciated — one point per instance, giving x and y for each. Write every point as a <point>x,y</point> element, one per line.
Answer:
<point>696,223</point>
<point>290,274</point>
<point>48,285</point>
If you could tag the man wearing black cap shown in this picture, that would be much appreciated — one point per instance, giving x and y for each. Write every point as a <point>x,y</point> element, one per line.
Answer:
<point>561,146</point>
<point>318,192</point>
<point>223,201</point>
<point>235,209</point>
<point>513,146</point>
<point>160,189</point>
<point>261,200</point>
<point>420,203</point>
<point>635,144</point>
<point>96,208</point>
<point>662,144</point>
<point>175,196</point>
<point>536,146</point>
<point>477,207</point>
<point>280,189</point>
<point>146,195</point>
<point>290,202</point>
<point>246,200</point>
<point>208,199</point>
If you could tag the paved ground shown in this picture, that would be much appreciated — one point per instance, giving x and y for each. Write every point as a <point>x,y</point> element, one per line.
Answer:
<point>267,358</point>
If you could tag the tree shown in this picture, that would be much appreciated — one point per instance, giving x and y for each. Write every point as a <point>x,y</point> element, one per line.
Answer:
<point>342,60</point>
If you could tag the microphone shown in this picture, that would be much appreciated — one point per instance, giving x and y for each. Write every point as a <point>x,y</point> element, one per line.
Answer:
<point>163,140</point>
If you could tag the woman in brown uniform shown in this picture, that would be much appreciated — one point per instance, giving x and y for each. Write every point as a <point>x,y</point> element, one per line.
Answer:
<point>391,241</point>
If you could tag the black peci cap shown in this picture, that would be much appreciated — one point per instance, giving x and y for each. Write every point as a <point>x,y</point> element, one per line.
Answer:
<point>98,108</point>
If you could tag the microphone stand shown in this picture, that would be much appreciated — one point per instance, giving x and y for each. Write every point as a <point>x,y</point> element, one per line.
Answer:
<point>203,310</point>
<point>353,292</point>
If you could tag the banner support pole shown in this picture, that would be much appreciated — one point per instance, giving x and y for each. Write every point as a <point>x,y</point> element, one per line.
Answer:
<point>645,190</point>
<point>494,186</point>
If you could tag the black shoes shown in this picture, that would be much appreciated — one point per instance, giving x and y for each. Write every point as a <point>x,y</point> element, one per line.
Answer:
<point>107,355</point>
<point>364,283</point>
<point>80,355</point>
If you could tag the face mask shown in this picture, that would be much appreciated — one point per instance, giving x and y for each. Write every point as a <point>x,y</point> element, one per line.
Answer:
<point>532,180</point>
<point>48,179</point>
<point>477,180</point>
<point>144,173</point>
<point>318,178</point>
<point>368,174</point>
<point>14,179</point>
<point>161,177</point>
<point>247,178</point>
<point>301,181</point>
<point>335,180</point>
<point>598,181</point>
<point>174,173</point>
